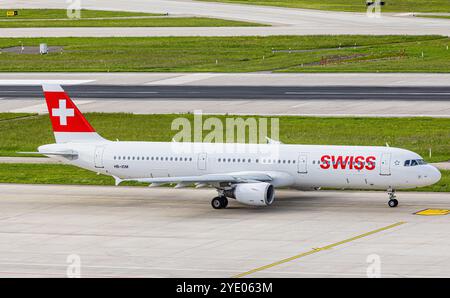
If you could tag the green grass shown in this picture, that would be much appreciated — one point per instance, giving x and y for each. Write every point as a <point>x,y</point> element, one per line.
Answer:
<point>62,14</point>
<point>35,18</point>
<point>65,174</point>
<point>52,174</point>
<point>147,22</point>
<point>352,5</point>
<point>233,54</point>
<point>10,116</point>
<point>150,22</point>
<point>416,134</point>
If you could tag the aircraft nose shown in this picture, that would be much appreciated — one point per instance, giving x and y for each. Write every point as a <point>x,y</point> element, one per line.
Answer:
<point>434,175</point>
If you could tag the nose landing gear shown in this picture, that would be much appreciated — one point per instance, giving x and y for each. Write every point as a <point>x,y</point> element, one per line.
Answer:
<point>393,202</point>
<point>219,202</point>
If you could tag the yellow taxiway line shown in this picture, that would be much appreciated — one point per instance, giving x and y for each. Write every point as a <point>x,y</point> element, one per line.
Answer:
<point>316,250</point>
<point>428,212</point>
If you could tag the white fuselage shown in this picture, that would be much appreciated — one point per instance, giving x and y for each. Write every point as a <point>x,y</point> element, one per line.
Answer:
<point>305,167</point>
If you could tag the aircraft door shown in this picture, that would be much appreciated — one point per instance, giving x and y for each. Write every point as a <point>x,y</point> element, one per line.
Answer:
<point>98,156</point>
<point>385,164</point>
<point>302,164</point>
<point>201,161</point>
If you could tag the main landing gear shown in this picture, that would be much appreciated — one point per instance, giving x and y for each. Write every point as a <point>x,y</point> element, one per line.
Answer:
<point>219,202</point>
<point>392,200</point>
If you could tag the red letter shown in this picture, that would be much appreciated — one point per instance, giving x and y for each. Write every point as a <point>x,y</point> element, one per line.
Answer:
<point>324,162</point>
<point>370,163</point>
<point>344,163</point>
<point>358,161</point>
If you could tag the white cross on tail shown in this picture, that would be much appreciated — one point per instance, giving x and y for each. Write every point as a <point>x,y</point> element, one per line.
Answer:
<point>62,112</point>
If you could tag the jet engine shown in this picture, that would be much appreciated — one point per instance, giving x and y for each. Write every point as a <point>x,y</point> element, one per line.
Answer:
<point>254,194</point>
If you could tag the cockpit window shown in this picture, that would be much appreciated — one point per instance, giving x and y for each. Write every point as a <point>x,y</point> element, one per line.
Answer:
<point>421,162</point>
<point>414,162</point>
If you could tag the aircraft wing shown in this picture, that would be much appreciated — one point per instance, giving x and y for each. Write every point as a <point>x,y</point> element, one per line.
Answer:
<point>237,177</point>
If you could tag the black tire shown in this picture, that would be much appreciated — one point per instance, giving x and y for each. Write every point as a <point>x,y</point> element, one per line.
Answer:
<point>217,203</point>
<point>393,203</point>
<point>224,202</point>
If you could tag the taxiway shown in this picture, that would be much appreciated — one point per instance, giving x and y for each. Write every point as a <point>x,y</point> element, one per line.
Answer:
<point>162,232</point>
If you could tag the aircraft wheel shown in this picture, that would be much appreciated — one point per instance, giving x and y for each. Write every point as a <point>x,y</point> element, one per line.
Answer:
<point>224,202</point>
<point>217,203</point>
<point>393,203</point>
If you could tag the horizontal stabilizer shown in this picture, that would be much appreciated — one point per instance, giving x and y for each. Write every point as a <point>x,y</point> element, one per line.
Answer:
<point>60,153</point>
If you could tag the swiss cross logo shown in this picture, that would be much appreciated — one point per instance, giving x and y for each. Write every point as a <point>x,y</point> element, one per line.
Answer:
<point>65,116</point>
<point>63,112</point>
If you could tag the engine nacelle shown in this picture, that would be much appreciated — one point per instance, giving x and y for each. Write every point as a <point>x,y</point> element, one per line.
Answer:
<point>254,194</point>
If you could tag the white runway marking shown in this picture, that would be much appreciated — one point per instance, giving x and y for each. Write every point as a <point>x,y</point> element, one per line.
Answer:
<point>367,93</point>
<point>43,81</point>
<point>183,79</point>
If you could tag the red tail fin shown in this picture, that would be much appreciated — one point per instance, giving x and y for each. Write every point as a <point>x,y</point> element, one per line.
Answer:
<point>69,125</point>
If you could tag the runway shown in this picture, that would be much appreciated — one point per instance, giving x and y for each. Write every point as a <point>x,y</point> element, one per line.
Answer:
<point>361,101</point>
<point>141,232</point>
<point>260,79</point>
<point>238,92</point>
<point>285,21</point>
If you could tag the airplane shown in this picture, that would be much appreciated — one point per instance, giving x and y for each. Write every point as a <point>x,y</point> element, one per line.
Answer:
<point>250,176</point>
